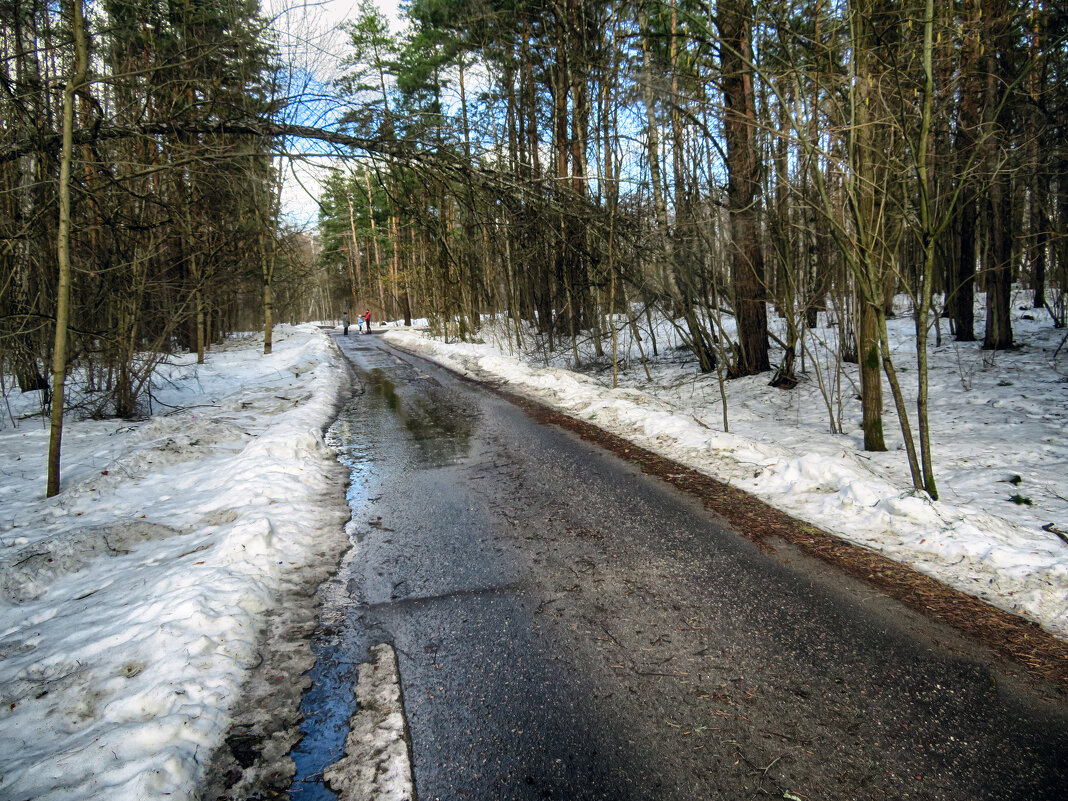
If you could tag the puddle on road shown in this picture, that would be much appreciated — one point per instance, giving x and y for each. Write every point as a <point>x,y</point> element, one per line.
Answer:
<point>438,428</point>
<point>404,419</point>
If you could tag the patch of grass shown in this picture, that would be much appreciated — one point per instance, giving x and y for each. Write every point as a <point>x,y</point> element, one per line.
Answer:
<point>1021,500</point>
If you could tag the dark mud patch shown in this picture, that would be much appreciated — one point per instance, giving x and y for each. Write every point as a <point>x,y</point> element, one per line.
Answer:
<point>245,748</point>
<point>253,764</point>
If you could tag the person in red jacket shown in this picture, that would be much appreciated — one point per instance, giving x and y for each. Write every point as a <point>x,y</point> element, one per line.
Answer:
<point>367,320</point>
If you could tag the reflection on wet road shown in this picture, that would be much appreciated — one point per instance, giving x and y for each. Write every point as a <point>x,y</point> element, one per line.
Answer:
<point>491,713</point>
<point>567,628</point>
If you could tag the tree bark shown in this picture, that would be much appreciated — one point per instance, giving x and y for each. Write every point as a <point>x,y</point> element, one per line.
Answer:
<point>743,171</point>
<point>998,334</point>
<point>75,83</point>
<point>962,282</point>
<point>869,249</point>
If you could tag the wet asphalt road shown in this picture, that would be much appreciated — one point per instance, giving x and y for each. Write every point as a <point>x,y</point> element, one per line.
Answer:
<point>569,628</point>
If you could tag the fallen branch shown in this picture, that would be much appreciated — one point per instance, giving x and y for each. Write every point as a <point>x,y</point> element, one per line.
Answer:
<point>28,558</point>
<point>1052,529</point>
<point>679,675</point>
<point>611,636</point>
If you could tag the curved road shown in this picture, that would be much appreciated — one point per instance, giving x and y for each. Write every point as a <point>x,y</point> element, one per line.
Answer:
<point>570,628</point>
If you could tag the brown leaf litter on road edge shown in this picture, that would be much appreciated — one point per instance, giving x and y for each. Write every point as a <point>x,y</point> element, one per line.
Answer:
<point>1008,636</point>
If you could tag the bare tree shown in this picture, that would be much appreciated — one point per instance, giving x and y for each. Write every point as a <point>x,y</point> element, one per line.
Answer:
<point>75,82</point>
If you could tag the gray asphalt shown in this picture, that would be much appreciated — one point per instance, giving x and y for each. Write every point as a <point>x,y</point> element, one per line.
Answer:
<point>570,628</point>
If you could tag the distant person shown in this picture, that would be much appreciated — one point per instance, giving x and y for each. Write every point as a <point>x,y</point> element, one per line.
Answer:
<point>345,322</point>
<point>367,320</point>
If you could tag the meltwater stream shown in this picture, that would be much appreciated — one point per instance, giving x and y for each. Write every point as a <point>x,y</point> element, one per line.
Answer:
<point>397,420</point>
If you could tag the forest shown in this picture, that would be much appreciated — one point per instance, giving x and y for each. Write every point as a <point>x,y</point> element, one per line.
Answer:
<point>742,168</point>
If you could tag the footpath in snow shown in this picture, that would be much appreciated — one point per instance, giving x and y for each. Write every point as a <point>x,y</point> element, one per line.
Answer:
<point>133,604</point>
<point>998,424</point>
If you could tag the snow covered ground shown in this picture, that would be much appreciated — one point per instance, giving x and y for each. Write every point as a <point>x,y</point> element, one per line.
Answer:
<point>131,604</point>
<point>998,423</point>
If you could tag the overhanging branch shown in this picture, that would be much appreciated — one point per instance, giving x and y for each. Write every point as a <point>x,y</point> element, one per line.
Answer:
<point>260,129</point>
<point>442,164</point>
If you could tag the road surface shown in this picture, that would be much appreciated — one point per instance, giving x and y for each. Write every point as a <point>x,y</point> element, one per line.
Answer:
<point>568,627</point>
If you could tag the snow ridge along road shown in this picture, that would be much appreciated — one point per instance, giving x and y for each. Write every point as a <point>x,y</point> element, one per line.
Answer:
<point>163,600</point>
<point>376,764</point>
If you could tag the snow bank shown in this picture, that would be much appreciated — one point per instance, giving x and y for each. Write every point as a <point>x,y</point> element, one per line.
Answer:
<point>131,604</point>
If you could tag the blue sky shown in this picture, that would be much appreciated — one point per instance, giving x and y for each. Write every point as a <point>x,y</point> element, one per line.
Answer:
<point>313,45</point>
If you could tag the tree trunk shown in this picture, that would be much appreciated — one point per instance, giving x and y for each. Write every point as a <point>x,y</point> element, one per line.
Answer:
<point>1039,225</point>
<point>962,282</point>
<point>998,334</point>
<point>869,249</point>
<point>928,238</point>
<point>871,393</point>
<point>267,254</point>
<point>75,83</point>
<point>355,278</point>
<point>743,171</point>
